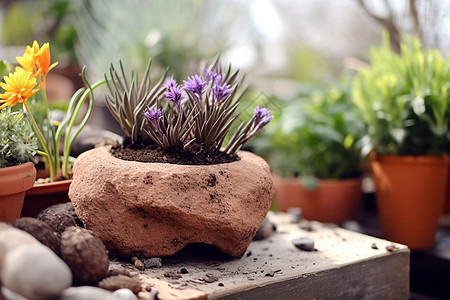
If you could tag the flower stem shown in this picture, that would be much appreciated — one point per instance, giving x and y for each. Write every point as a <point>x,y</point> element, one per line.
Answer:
<point>42,142</point>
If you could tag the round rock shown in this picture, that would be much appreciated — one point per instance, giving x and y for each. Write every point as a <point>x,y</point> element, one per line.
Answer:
<point>58,219</point>
<point>124,294</point>
<point>304,243</point>
<point>40,231</point>
<point>86,293</point>
<point>113,283</point>
<point>35,272</point>
<point>85,254</point>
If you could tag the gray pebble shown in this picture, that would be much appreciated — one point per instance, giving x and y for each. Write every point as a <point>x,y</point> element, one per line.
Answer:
<point>304,243</point>
<point>154,262</point>
<point>265,230</point>
<point>124,294</point>
<point>295,214</point>
<point>35,272</point>
<point>86,293</point>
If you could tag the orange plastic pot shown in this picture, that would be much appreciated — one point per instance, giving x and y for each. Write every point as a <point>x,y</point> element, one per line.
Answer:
<point>44,195</point>
<point>410,196</point>
<point>14,182</point>
<point>333,201</point>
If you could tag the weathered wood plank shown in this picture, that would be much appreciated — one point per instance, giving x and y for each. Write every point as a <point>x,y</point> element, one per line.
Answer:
<point>345,265</point>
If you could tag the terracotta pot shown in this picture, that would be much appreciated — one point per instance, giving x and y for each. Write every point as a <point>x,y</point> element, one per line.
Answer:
<point>447,197</point>
<point>410,196</point>
<point>14,182</point>
<point>44,195</point>
<point>334,201</point>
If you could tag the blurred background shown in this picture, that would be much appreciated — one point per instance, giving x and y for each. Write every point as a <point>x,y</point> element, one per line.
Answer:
<point>299,57</point>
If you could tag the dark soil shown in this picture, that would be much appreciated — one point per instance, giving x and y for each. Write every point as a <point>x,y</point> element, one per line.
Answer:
<point>195,155</point>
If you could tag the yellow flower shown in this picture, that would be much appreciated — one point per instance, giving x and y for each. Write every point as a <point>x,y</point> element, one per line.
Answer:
<point>37,60</point>
<point>18,88</point>
<point>28,60</point>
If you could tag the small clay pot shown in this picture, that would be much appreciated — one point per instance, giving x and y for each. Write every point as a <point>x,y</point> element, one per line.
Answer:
<point>14,182</point>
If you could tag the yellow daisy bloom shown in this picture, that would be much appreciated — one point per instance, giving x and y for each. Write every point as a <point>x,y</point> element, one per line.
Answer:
<point>18,88</point>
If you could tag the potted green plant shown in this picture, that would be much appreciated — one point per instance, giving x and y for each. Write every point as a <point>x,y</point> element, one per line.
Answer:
<point>172,179</point>
<point>31,76</point>
<point>18,145</point>
<point>313,151</point>
<point>404,100</point>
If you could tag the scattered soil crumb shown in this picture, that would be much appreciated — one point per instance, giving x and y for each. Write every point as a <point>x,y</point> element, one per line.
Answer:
<point>392,248</point>
<point>374,246</point>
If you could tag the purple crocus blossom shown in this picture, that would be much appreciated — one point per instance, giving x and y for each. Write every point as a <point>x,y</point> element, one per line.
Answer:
<point>221,92</point>
<point>195,85</point>
<point>170,83</point>
<point>173,92</point>
<point>210,75</point>
<point>262,117</point>
<point>153,115</point>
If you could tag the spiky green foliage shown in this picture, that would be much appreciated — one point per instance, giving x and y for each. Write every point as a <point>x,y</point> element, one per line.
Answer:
<point>18,144</point>
<point>127,100</point>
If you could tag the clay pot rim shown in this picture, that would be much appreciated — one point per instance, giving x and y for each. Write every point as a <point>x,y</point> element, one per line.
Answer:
<point>322,182</point>
<point>409,159</point>
<point>44,188</point>
<point>16,169</point>
<point>243,155</point>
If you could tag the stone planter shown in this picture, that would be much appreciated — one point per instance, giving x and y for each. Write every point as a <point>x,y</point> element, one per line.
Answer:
<point>155,209</point>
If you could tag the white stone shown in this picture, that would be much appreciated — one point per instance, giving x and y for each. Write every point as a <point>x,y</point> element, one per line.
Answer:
<point>124,294</point>
<point>86,293</point>
<point>9,295</point>
<point>35,272</point>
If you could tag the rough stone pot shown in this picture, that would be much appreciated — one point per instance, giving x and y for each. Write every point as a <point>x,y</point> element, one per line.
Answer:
<point>155,209</point>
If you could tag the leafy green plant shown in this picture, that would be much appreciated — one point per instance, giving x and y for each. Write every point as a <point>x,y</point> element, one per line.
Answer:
<point>314,138</point>
<point>18,144</point>
<point>404,100</point>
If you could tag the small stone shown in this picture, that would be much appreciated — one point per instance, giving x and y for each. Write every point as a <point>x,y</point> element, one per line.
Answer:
<point>40,231</point>
<point>295,213</point>
<point>374,246</point>
<point>121,282</point>
<point>265,230</point>
<point>249,253</point>
<point>115,272</point>
<point>86,293</point>
<point>172,275</point>
<point>58,220</point>
<point>124,294</point>
<point>85,254</point>
<point>306,227</point>
<point>221,284</point>
<point>184,271</point>
<point>63,208</point>
<point>134,258</point>
<point>304,243</point>
<point>154,262</point>
<point>35,272</point>
<point>392,248</point>
<point>139,264</point>
<point>210,278</point>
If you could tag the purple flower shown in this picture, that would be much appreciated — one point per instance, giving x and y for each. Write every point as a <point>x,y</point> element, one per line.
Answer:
<point>212,76</point>
<point>153,115</point>
<point>173,93</point>
<point>195,85</point>
<point>221,92</point>
<point>170,83</point>
<point>262,117</point>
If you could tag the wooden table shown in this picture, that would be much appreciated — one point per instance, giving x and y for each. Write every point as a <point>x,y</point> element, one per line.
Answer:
<point>343,265</point>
